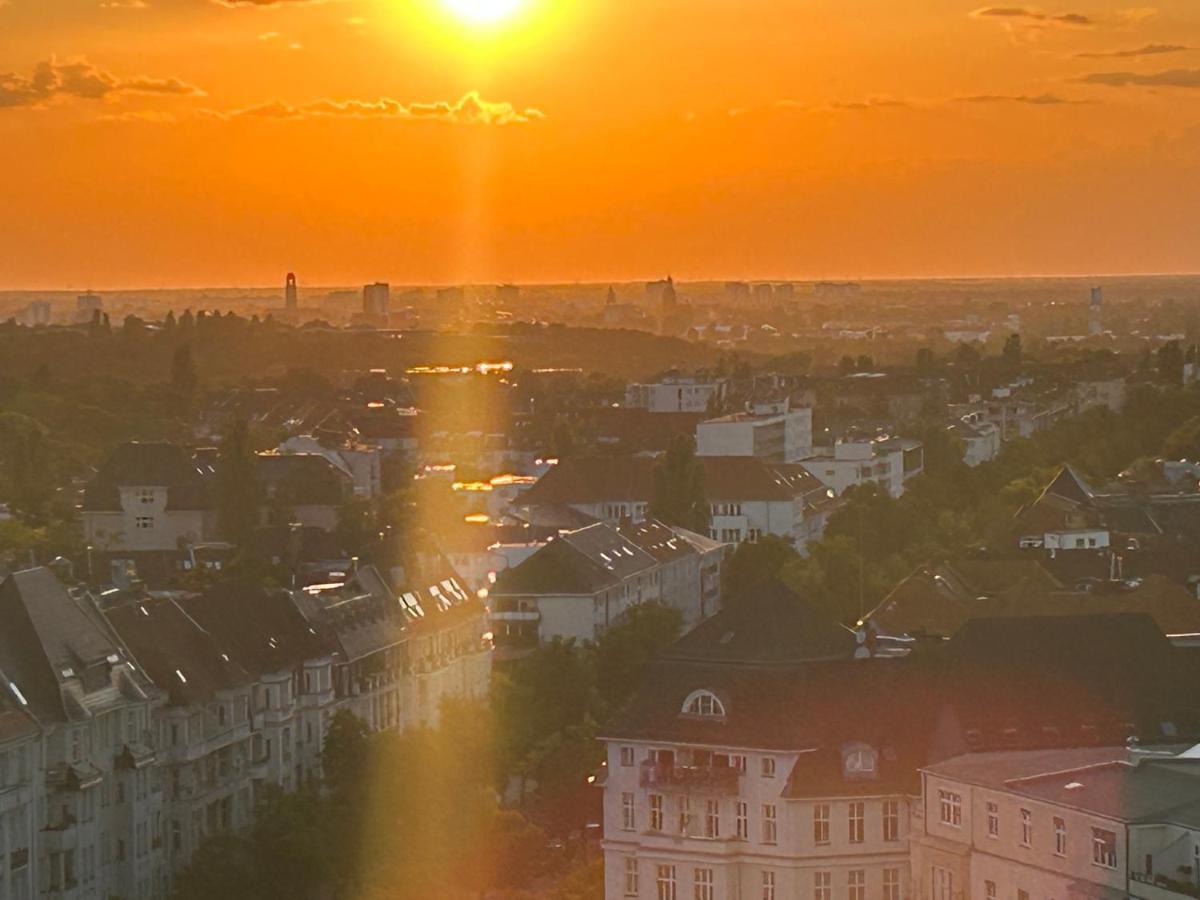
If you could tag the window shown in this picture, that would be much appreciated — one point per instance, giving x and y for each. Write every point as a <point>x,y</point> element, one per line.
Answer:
<point>891,884</point>
<point>768,767</point>
<point>770,827</point>
<point>704,704</point>
<point>993,820</point>
<point>664,883</point>
<point>856,884</point>
<point>738,761</point>
<point>712,818</point>
<point>859,760</point>
<point>821,823</point>
<point>942,882</point>
<point>702,884</point>
<point>685,814</point>
<point>1104,848</point>
<point>768,885</point>
<point>627,756</point>
<point>822,886</point>
<point>855,822</point>
<point>146,495</point>
<point>950,806</point>
<point>1060,836</point>
<point>144,522</point>
<point>891,820</point>
<point>1026,828</point>
<point>631,877</point>
<point>656,812</point>
<point>628,813</point>
<point>989,890</point>
<point>741,822</point>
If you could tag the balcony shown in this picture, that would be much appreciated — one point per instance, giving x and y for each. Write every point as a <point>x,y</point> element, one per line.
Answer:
<point>1159,887</point>
<point>690,779</point>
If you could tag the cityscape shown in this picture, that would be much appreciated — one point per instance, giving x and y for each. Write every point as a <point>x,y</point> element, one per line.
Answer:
<point>702,461</point>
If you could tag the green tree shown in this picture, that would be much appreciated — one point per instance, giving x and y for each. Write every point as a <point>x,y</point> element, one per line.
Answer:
<point>751,565</point>
<point>237,487</point>
<point>1011,354</point>
<point>679,497</point>
<point>183,373</point>
<point>623,651</point>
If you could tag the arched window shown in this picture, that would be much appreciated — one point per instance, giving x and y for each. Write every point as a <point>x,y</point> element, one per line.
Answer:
<point>703,704</point>
<point>858,759</point>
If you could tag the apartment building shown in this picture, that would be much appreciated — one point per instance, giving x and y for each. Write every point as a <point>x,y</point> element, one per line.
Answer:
<point>672,395</point>
<point>886,462</point>
<point>760,760</point>
<point>1104,822</point>
<point>773,432</point>
<point>580,584</point>
<point>748,498</point>
<point>95,800</point>
<point>130,733</point>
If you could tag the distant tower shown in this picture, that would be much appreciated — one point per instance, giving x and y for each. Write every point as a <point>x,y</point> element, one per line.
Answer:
<point>612,296</point>
<point>290,301</point>
<point>376,298</point>
<point>1094,310</point>
<point>668,296</point>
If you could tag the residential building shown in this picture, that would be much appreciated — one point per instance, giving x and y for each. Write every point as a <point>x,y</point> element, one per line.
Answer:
<point>674,394</point>
<point>20,792</point>
<point>146,499</point>
<point>747,497</point>
<point>95,799</point>
<point>363,463</point>
<point>580,584</point>
<point>772,432</point>
<point>852,461</point>
<point>1065,822</point>
<point>376,299</point>
<point>759,760</point>
<point>306,488</point>
<point>980,438</point>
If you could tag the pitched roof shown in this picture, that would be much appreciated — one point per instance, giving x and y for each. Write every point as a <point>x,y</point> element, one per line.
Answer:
<point>580,562</point>
<point>770,626</point>
<point>49,640</point>
<point>178,654</point>
<point>155,464</point>
<point>302,479</point>
<point>596,479</point>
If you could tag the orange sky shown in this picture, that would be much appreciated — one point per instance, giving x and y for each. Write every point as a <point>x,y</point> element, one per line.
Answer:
<point>195,142</point>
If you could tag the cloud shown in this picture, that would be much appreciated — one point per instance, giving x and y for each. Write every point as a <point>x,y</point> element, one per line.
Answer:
<point>81,79</point>
<point>470,109</point>
<point>1028,99</point>
<point>1180,78</point>
<point>869,103</point>
<point>152,116</point>
<point>124,4</point>
<point>263,4</point>
<point>1148,50</point>
<point>268,35</point>
<point>1031,16</point>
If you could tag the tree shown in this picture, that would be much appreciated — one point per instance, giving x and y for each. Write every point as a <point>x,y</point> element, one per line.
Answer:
<point>1184,441</point>
<point>751,565</point>
<point>679,497</point>
<point>1169,362</point>
<point>924,360</point>
<point>624,650</point>
<point>237,487</point>
<point>1011,353</point>
<point>183,372</point>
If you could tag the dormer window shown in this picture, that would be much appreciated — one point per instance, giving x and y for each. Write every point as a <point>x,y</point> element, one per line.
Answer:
<point>859,760</point>
<point>704,705</point>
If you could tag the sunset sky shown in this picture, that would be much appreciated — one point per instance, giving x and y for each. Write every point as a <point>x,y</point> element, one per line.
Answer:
<point>199,143</point>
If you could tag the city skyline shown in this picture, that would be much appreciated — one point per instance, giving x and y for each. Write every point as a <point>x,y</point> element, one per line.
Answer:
<point>189,143</point>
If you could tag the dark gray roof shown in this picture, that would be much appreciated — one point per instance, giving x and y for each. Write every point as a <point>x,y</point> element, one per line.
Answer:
<point>49,640</point>
<point>586,561</point>
<point>138,464</point>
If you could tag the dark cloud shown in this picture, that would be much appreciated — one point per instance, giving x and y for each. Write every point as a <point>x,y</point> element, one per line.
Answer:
<point>470,109</point>
<point>81,79</point>
<point>1028,99</point>
<point>1180,78</point>
<point>1148,50</point>
<point>870,103</point>
<point>1028,15</point>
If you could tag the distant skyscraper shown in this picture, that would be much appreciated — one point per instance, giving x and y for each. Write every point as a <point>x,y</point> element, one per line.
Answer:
<point>376,298</point>
<point>1095,325</point>
<point>290,300</point>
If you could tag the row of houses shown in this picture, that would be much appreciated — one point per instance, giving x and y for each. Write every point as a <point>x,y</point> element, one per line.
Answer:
<point>133,726</point>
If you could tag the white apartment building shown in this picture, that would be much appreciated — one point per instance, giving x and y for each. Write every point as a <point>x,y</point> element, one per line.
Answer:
<point>980,438</point>
<point>581,584</point>
<point>772,432</point>
<point>886,462</point>
<point>672,395</point>
<point>759,761</point>
<point>1091,822</point>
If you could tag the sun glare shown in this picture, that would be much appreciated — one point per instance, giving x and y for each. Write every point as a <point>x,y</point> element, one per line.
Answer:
<point>483,12</point>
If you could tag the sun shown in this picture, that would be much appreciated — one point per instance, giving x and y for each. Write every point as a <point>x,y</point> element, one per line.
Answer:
<point>483,12</point>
